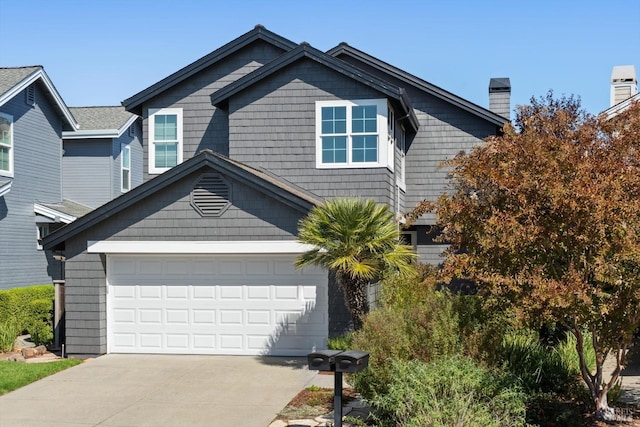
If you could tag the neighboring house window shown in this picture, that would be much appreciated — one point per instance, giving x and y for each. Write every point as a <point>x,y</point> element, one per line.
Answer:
<point>6,145</point>
<point>350,133</point>
<point>42,232</point>
<point>132,130</point>
<point>165,139</point>
<point>125,167</point>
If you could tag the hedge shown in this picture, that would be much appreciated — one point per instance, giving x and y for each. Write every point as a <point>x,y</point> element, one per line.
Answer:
<point>30,309</point>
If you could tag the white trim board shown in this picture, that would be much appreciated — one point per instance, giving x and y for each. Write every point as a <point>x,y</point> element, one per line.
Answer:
<point>198,247</point>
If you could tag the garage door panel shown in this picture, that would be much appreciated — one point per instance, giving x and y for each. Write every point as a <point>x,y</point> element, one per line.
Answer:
<point>215,305</point>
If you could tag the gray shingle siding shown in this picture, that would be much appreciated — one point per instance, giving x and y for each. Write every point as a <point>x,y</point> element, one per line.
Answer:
<point>85,300</point>
<point>205,127</point>
<point>37,169</point>
<point>170,216</point>
<point>272,126</point>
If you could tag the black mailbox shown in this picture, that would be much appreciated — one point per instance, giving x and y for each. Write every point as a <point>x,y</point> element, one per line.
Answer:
<point>323,360</point>
<point>352,361</point>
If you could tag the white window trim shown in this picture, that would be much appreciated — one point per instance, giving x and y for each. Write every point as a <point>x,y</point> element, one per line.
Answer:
<point>9,173</point>
<point>123,148</point>
<point>39,235</point>
<point>402,147</point>
<point>151,126</point>
<point>382,126</point>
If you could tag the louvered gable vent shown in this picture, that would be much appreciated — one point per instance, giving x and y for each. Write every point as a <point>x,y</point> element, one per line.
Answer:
<point>211,195</point>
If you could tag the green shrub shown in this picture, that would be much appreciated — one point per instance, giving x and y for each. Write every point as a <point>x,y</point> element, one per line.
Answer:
<point>8,333</point>
<point>541,369</point>
<point>451,391</point>
<point>342,342</point>
<point>422,332</point>
<point>31,308</point>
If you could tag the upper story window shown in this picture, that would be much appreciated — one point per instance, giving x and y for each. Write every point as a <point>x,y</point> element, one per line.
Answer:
<point>165,139</point>
<point>6,145</point>
<point>125,167</point>
<point>351,134</point>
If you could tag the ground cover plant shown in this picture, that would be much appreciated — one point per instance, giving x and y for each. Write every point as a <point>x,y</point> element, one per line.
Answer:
<point>14,375</point>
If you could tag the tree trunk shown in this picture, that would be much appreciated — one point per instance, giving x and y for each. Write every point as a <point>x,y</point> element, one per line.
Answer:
<point>355,294</point>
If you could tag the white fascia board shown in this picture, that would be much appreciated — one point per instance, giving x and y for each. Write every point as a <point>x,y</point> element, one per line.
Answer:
<point>40,74</point>
<point>55,215</point>
<point>198,247</point>
<point>87,134</point>
<point>126,126</point>
<point>621,106</point>
<point>4,189</point>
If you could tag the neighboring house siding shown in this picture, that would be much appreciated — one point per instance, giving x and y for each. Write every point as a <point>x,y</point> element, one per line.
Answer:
<point>205,127</point>
<point>272,126</point>
<point>88,171</point>
<point>37,162</point>
<point>136,161</point>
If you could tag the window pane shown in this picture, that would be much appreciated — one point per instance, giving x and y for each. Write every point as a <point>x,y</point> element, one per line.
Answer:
<point>166,127</point>
<point>166,154</point>
<point>334,120</point>
<point>365,149</point>
<point>364,118</point>
<point>4,159</point>
<point>334,149</point>
<point>5,131</point>
<point>125,179</point>
<point>126,160</point>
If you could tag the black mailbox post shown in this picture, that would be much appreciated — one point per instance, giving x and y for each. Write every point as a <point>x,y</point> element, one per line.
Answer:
<point>338,362</point>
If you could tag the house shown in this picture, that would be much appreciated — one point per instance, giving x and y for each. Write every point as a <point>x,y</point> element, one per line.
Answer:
<point>238,146</point>
<point>108,149</point>
<point>33,117</point>
<point>624,89</point>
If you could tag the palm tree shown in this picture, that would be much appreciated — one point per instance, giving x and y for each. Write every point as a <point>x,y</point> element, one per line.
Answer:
<point>359,241</point>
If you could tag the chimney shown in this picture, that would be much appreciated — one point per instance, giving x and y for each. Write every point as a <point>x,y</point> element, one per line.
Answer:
<point>500,96</point>
<point>624,83</point>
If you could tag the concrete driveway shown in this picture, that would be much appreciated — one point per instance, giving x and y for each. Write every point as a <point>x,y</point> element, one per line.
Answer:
<point>154,390</point>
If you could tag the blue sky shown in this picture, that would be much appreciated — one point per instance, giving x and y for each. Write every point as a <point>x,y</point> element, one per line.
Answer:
<point>101,52</point>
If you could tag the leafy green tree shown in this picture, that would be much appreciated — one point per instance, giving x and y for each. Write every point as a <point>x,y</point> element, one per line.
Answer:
<point>547,217</point>
<point>359,241</point>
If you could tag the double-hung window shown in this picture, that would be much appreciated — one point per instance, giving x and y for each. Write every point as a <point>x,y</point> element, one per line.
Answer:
<point>165,139</point>
<point>125,167</point>
<point>6,145</point>
<point>351,134</point>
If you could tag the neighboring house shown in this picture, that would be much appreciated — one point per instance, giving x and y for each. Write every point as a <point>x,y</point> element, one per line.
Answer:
<point>624,89</point>
<point>103,159</point>
<point>32,119</point>
<point>238,146</point>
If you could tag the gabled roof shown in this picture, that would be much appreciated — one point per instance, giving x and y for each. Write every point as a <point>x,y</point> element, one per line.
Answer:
<point>304,50</point>
<point>279,189</point>
<point>100,122</point>
<point>614,110</point>
<point>13,80</point>
<point>345,49</point>
<point>65,212</point>
<point>134,103</point>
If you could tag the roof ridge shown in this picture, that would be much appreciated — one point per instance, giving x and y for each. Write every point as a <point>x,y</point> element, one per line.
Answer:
<point>21,66</point>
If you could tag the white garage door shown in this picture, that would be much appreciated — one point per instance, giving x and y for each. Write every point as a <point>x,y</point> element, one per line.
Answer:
<point>245,304</point>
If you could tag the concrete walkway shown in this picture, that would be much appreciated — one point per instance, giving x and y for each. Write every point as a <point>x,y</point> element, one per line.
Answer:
<point>152,390</point>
